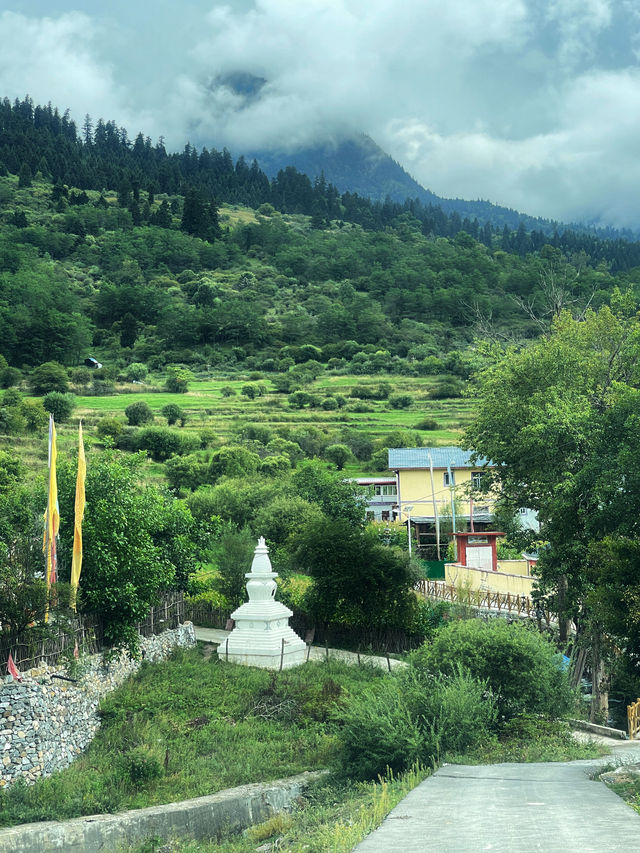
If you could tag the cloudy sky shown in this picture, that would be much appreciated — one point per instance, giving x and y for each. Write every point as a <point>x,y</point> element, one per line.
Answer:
<point>534,104</point>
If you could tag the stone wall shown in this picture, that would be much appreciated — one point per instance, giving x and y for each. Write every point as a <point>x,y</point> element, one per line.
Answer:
<point>46,722</point>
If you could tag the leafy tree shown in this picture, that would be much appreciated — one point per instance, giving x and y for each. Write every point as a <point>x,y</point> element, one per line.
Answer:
<point>50,376</point>
<point>138,413</point>
<point>339,454</point>
<point>137,371</point>
<point>59,405</point>
<point>355,578</point>
<point>137,543</point>
<point>233,553</point>
<point>400,401</point>
<point>178,379</point>
<point>162,442</point>
<point>172,412</point>
<point>552,417</point>
<point>338,499</point>
<point>34,414</point>
<point>232,461</point>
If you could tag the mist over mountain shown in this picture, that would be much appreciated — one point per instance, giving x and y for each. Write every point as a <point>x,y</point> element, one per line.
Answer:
<point>357,164</point>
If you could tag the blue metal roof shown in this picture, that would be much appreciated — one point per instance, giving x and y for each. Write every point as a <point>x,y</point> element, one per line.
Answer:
<point>418,457</point>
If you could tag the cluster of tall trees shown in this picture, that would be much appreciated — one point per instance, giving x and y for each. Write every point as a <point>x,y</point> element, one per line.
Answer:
<point>37,138</point>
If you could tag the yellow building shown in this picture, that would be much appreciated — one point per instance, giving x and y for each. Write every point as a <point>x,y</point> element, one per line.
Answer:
<point>436,485</point>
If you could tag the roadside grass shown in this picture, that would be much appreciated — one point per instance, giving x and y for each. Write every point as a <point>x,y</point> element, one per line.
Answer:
<point>530,739</point>
<point>628,788</point>
<point>190,727</point>
<point>330,816</point>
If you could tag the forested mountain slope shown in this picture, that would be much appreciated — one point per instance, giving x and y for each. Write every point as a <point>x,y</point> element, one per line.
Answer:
<point>101,156</point>
<point>146,266</point>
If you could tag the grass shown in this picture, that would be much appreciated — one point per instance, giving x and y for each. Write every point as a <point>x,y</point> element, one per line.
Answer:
<point>193,726</point>
<point>531,739</point>
<point>331,816</point>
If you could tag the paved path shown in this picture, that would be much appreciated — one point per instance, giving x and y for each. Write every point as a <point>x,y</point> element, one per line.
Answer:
<point>510,808</point>
<point>217,636</point>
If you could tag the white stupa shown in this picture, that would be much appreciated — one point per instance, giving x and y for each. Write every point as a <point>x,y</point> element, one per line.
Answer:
<point>262,636</point>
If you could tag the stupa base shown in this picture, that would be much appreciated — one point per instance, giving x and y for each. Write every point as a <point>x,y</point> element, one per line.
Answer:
<point>273,656</point>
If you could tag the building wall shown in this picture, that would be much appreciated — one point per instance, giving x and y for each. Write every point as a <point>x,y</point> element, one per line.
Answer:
<point>477,579</point>
<point>415,490</point>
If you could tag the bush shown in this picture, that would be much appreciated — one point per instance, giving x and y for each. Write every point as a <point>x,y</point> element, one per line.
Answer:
<point>446,389</point>
<point>232,461</point>
<point>137,371</point>
<point>329,403</point>
<point>109,427</point>
<point>59,405</point>
<point>400,401</point>
<point>186,472</point>
<point>138,413</point>
<point>162,442</point>
<point>520,666</point>
<point>413,718</point>
<point>227,391</point>
<point>50,376</point>
<point>428,424</point>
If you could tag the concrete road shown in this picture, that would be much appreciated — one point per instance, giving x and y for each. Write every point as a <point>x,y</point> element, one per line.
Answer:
<point>509,808</point>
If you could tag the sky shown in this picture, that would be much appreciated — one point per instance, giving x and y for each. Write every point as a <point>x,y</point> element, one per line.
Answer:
<point>533,104</point>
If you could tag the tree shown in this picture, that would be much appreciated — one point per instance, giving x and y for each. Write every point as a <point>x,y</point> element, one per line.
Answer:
<point>559,419</point>
<point>137,543</point>
<point>59,405</point>
<point>232,461</point>
<point>200,217</point>
<point>138,413</point>
<point>172,412</point>
<point>339,454</point>
<point>338,498</point>
<point>50,376</point>
<point>355,578</point>
<point>178,379</point>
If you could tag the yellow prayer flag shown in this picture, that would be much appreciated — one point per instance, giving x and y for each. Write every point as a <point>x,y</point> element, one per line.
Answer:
<point>76,562</point>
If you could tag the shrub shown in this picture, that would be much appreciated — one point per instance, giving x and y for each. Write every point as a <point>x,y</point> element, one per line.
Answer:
<point>186,472</point>
<point>59,405</point>
<point>446,389</point>
<point>413,718</point>
<point>138,413</point>
<point>34,414</point>
<point>50,376</point>
<point>137,371</point>
<point>232,461</point>
<point>520,666</point>
<point>329,403</point>
<point>272,466</point>
<point>109,427</point>
<point>162,442</point>
<point>227,391</point>
<point>428,424</point>
<point>400,401</point>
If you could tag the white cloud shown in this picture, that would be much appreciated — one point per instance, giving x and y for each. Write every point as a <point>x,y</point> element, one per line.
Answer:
<point>530,103</point>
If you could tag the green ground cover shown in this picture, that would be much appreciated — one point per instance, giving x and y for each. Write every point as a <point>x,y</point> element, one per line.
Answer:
<point>193,726</point>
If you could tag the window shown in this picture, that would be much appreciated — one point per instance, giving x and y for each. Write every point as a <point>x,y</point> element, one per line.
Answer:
<point>447,481</point>
<point>386,490</point>
<point>478,479</point>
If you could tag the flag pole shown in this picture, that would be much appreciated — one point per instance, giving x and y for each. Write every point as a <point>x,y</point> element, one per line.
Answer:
<point>76,562</point>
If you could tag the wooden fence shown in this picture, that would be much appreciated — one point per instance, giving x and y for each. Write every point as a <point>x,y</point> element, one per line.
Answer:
<point>86,630</point>
<point>499,602</point>
<point>633,718</point>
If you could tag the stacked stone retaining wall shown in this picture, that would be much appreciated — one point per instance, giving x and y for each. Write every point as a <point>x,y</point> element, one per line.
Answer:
<point>46,722</point>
